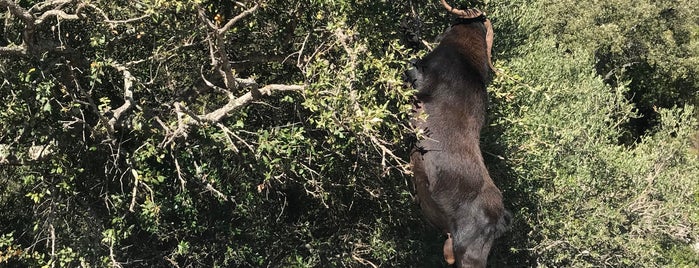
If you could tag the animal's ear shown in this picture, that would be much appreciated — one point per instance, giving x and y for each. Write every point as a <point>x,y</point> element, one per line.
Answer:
<point>413,76</point>
<point>489,35</point>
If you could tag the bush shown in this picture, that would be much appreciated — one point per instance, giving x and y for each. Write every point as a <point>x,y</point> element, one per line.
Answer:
<point>138,134</point>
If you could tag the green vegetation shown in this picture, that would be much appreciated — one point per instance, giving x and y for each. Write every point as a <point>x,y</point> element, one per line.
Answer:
<point>156,133</point>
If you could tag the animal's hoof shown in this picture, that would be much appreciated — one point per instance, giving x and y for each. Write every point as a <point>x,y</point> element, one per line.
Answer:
<point>449,250</point>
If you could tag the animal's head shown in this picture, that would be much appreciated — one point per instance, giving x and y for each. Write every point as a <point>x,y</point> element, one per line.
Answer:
<point>464,19</point>
<point>470,36</point>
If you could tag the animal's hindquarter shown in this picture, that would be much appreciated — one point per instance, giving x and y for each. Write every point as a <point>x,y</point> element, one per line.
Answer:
<point>446,183</point>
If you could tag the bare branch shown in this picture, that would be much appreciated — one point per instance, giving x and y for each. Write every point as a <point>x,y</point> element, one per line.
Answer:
<point>401,164</point>
<point>202,16</point>
<point>300,52</point>
<point>51,9</point>
<point>229,133</point>
<point>52,232</point>
<point>240,16</point>
<point>179,171</point>
<point>56,13</point>
<point>183,122</point>
<point>217,48</point>
<point>246,82</point>
<point>217,45</point>
<point>216,192</point>
<point>30,22</point>
<point>136,182</point>
<point>236,103</point>
<point>43,5</point>
<point>13,50</point>
<point>112,22</point>
<point>17,10</point>
<point>207,82</point>
<point>128,97</point>
<point>226,132</point>
<point>127,20</point>
<point>363,261</point>
<point>172,262</point>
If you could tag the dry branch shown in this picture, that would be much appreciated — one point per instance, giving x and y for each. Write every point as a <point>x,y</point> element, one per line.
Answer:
<point>240,16</point>
<point>217,43</point>
<point>234,104</point>
<point>17,10</point>
<point>219,114</point>
<point>13,50</point>
<point>30,21</point>
<point>128,97</point>
<point>43,12</point>
<point>56,13</point>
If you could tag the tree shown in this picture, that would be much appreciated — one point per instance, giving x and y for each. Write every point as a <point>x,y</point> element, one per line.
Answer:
<point>651,45</point>
<point>154,147</point>
<point>582,197</point>
<point>274,133</point>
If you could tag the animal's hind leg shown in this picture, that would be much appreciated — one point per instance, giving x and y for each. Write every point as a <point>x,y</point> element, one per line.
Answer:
<point>449,250</point>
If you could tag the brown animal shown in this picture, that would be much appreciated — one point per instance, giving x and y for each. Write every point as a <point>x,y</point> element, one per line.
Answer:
<point>454,190</point>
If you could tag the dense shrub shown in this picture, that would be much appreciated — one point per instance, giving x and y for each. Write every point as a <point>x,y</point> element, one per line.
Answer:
<point>306,167</point>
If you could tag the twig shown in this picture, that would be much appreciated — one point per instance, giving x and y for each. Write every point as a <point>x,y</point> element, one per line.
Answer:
<point>211,188</point>
<point>363,261</point>
<point>243,141</point>
<point>112,256</point>
<point>134,190</point>
<point>179,171</point>
<point>426,44</point>
<point>385,151</point>
<point>226,132</point>
<point>127,20</point>
<point>300,52</point>
<point>52,231</point>
<point>240,16</point>
<point>171,261</point>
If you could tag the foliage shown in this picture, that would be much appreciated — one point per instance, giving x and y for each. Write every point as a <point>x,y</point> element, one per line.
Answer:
<point>155,133</point>
<point>583,196</point>
<point>652,45</point>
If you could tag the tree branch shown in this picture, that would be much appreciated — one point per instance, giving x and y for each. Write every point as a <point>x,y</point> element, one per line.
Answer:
<point>17,10</point>
<point>237,103</point>
<point>219,114</point>
<point>13,49</point>
<point>128,97</point>
<point>30,22</point>
<point>240,16</point>
<point>217,47</point>
<point>27,34</point>
<point>57,13</point>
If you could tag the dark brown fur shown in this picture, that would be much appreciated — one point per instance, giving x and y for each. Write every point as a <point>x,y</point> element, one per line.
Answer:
<point>455,192</point>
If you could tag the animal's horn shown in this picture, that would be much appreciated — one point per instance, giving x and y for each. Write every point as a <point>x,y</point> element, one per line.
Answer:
<point>489,43</point>
<point>466,14</point>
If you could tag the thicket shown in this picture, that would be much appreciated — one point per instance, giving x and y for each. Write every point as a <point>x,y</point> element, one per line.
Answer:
<point>274,133</point>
